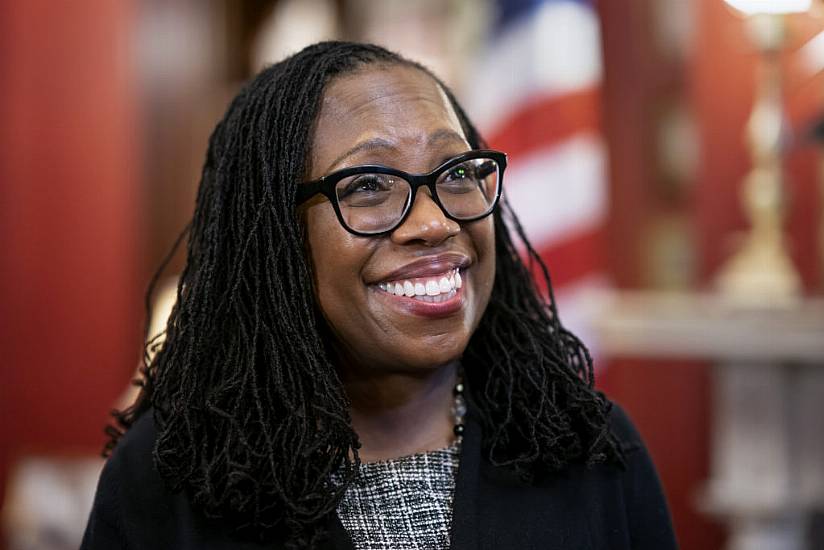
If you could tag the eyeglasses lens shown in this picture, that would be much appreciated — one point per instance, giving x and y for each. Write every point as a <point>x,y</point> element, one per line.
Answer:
<point>469,189</point>
<point>372,203</point>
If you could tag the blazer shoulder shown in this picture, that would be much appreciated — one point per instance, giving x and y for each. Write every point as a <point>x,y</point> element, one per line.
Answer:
<point>132,465</point>
<point>648,520</point>
<point>134,450</point>
<point>623,429</point>
<point>128,486</point>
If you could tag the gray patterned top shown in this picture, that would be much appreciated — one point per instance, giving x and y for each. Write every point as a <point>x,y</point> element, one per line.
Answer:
<point>403,503</point>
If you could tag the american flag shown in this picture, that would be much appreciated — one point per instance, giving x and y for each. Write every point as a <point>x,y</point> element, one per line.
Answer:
<point>536,96</point>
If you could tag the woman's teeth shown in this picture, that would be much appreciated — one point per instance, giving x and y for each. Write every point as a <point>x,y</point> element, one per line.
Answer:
<point>435,289</point>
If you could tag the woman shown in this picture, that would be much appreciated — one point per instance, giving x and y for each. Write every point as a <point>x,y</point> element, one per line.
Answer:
<point>358,357</point>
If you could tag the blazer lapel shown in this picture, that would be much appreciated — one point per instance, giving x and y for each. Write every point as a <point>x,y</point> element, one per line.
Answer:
<point>513,514</point>
<point>465,503</point>
<point>339,538</point>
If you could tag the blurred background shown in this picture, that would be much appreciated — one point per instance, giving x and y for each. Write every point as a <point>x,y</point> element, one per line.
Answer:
<point>665,160</point>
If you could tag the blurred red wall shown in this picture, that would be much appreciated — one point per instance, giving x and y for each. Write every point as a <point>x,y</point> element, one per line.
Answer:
<point>70,212</point>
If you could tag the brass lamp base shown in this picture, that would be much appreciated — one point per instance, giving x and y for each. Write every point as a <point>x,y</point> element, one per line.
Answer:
<point>760,275</point>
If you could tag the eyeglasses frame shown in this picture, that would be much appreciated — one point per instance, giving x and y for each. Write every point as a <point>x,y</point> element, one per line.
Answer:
<point>326,187</point>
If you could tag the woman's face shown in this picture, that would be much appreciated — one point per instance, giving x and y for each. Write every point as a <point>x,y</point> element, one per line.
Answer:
<point>399,117</point>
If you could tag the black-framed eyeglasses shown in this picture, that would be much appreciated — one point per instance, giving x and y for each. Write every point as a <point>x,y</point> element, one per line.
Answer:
<point>373,200</point>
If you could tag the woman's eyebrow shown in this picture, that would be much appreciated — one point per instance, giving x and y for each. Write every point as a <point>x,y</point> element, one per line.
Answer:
<point>445,134</point>
<point>372,144</point>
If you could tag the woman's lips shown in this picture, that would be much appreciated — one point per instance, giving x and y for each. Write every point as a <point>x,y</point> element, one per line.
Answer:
<point>435,295</point>
<point>424,267</point>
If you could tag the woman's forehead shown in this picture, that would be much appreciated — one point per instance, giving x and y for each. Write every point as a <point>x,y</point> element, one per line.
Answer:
<point>374,90</point>
<point>399,104</point>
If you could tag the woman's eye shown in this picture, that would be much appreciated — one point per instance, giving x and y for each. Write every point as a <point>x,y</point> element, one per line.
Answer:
<point>460,179</point>
<point>366,189</point>
<point>458,173</point>
<point>366,184</point>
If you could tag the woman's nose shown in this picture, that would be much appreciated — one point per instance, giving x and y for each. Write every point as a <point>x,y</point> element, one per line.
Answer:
<point>426,223</point>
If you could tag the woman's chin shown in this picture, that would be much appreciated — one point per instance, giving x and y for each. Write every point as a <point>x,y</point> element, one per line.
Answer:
<point>432,359</point>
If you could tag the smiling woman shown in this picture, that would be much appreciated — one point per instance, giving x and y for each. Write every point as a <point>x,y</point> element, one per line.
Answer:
<point>358,357</point>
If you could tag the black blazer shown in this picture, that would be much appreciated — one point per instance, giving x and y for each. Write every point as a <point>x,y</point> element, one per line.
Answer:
<point>583,508</point>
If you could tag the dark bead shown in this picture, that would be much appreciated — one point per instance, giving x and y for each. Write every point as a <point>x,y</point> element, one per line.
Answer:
<point>459,429</point>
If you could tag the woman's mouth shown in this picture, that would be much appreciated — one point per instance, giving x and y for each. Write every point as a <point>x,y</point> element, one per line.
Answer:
<point>432,289</point>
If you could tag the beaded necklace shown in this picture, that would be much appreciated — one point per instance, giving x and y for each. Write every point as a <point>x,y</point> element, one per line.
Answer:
<point>459,409</point>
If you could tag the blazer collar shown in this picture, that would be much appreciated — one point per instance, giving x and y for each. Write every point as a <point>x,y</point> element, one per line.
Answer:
<point>339,538</point>
<point>465,502</point>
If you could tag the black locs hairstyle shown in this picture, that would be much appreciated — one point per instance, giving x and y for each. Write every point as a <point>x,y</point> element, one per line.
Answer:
<point>253,421</point>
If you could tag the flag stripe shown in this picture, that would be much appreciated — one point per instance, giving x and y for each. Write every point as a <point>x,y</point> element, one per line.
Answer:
<point>558,190</point>
<point>547,121</point>
<point>574,258</point>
